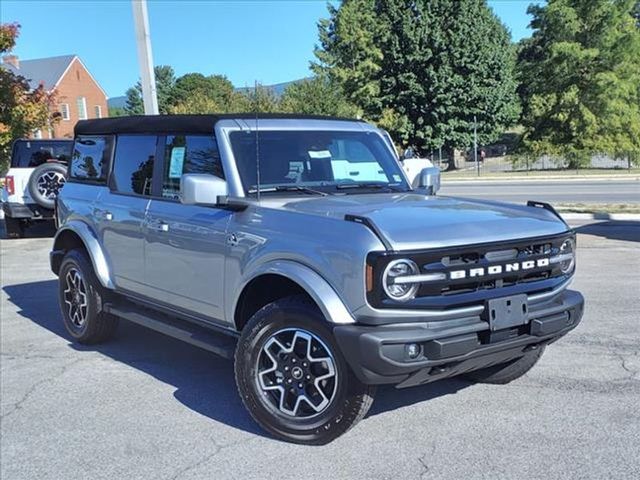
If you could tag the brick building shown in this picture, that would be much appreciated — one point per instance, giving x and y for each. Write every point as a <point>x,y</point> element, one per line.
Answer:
<point>78,94</point>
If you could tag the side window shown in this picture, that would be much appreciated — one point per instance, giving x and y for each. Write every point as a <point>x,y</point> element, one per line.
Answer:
<point>90,159</point>
<point>188,154</point>
<point>133,164</point>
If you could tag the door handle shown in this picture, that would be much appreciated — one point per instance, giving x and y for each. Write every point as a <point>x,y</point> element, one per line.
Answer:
<point>232,239</point>
<point>104,214</point>
<point>159,226</point>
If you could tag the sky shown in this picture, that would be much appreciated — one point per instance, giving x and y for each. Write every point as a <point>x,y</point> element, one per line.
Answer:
<point>268,41</point>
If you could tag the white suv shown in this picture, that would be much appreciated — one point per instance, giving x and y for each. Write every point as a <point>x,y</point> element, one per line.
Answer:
<point>38,171</point>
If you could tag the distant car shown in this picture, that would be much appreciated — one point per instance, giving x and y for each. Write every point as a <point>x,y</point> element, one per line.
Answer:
<point>37,172</point>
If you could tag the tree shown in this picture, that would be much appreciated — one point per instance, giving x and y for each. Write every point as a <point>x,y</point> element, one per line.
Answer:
<point>22,109</point>
<point>423,68</point>
<point>259,99</point>
<point>196,93</point>
<point>580,79</point>
<point>165,80</point>
<point>317,96</point>
<point>350,54</point>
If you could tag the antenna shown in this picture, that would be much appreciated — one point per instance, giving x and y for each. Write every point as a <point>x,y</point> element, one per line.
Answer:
<point>255,95</point>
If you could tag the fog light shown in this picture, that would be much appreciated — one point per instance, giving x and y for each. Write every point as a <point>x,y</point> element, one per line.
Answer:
<point>413,350</point>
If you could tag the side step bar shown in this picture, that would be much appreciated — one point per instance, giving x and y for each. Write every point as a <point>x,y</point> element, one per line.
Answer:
<point>200,336</point>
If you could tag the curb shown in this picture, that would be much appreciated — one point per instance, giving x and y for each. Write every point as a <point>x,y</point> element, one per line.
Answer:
<point>586,178</point>
<point>601,216</point>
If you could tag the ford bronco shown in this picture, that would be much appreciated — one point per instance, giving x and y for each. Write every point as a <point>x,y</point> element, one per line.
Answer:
<point>297,246</point>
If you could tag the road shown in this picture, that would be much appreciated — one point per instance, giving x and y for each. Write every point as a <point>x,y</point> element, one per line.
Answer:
<point>146,406</point>
<point>556,191</point>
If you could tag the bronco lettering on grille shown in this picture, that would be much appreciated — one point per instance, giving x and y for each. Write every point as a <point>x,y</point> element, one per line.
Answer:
<point>498,269</point>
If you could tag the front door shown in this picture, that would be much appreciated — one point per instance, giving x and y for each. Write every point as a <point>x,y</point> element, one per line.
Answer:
<point>185,245</point>
<point>184,256</point>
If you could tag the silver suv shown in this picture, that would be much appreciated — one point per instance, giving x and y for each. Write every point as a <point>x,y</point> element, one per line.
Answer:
<point>297,246</point>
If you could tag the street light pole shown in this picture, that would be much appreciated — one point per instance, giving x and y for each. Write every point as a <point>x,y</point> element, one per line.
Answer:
<point>143,42</point>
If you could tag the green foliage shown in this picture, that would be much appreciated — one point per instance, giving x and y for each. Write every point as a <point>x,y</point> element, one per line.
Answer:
<point>22,110</point>
<point>317,96</point>
<point>259,99</point>
<point>165,80</point>
<point>117,112</point>
<point>196,93</point>
<point>580,79</point>
<point>423,68</point>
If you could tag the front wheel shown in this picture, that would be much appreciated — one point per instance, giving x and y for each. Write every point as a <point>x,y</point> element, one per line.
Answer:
<point>292,377</point>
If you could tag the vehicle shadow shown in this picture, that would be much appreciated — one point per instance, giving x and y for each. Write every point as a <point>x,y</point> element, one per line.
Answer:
<point>626,230</point>
<point>203,381</point>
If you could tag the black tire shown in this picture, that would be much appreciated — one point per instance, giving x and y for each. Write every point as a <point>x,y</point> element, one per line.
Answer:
<point>506,372</point>
<point>350,399</point>
<point>88,324</point>
<point>14,227</point>
<point>45,183</point>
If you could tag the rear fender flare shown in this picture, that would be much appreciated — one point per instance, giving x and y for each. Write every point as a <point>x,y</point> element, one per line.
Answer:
<point>97,255</point>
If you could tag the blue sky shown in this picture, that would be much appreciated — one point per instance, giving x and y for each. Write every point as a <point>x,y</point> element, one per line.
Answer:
<point>268,41</point>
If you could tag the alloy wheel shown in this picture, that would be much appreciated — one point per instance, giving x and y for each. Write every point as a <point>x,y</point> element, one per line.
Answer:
<point>296,373</point>
<point>75,297</point>
<point>50,183</point>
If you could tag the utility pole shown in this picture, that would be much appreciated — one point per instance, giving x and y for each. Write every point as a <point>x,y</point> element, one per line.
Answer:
<point>143,42</point>
<point>475,144</point>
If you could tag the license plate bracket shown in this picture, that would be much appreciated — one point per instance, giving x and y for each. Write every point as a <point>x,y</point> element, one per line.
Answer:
<point>507,312</point>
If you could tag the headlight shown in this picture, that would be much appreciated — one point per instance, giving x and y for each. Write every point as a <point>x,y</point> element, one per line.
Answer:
<point>392,282</point>
<point>566,256</point>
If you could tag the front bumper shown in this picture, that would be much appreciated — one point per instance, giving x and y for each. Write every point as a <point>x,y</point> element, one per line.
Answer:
<point>29,211</point>
<point>378,354</point>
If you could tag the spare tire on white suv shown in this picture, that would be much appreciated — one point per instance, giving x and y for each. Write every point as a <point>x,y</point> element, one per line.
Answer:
<point>45,183</point>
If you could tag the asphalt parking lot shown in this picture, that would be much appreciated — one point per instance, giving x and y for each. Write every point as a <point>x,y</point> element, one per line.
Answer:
<point>149,407</point>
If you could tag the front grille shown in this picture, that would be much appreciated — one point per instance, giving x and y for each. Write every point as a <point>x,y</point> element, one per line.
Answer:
<point>483,259</point>
<point>457,291</point>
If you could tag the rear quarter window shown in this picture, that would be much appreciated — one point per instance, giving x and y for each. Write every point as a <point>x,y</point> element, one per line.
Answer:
<point>90,159</point>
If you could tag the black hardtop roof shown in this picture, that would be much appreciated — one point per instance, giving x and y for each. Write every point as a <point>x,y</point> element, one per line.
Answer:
<point>193,124</point>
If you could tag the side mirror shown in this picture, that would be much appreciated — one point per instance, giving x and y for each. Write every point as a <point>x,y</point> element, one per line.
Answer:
<point>201,189</point>
<point>429,180</point>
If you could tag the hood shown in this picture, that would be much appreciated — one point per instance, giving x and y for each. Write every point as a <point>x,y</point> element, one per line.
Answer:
<point>410,221</point>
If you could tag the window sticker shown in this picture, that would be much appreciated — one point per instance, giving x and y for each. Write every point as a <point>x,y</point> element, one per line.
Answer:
<point>177,162</point>
<point>319,154</point>
<point>396,177</point>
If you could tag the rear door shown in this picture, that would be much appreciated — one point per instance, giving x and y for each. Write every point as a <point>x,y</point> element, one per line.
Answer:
<point>185,244</point>
<point>121,210</point>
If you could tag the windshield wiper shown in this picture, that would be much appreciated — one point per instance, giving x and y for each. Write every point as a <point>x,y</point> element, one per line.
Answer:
<point>290,188</point>
<point>347,186</point>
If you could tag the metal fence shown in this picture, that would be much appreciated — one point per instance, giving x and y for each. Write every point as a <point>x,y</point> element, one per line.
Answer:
<point>525,163</point>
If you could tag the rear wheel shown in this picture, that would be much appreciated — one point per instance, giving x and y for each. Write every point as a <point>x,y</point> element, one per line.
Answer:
<point>82,298</point>
<point>292,377</point>
<point>507,372</point>
<point>14,227</point>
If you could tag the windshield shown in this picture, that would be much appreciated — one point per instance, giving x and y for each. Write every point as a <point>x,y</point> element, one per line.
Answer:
<point>316,161</point>
<point>28,153</point>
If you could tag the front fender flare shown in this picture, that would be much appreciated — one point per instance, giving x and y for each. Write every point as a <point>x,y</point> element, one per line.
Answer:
<point>96,253</point>
<point>330,304</point>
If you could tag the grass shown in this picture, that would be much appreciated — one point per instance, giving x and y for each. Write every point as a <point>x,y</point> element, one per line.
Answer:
<point>597,207</point>
<point>464,174</point>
